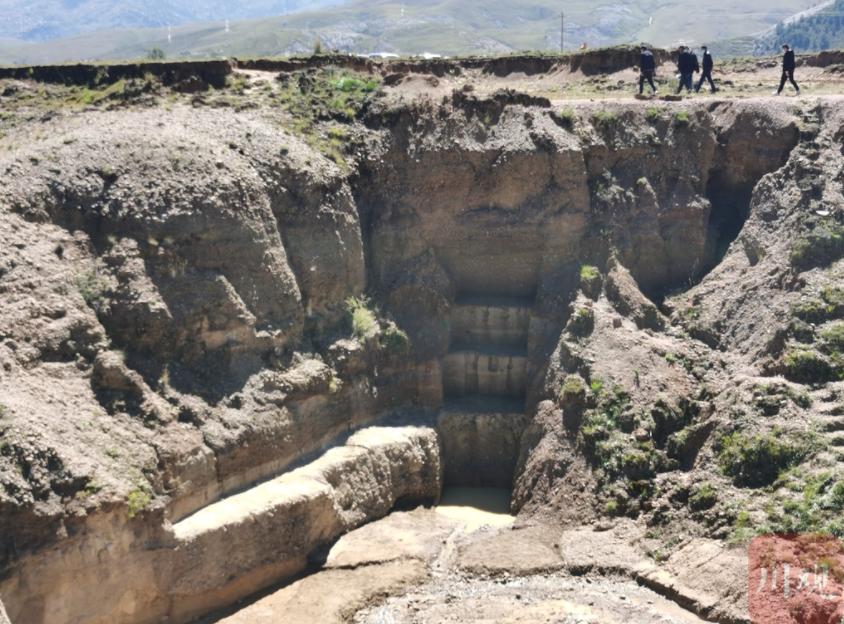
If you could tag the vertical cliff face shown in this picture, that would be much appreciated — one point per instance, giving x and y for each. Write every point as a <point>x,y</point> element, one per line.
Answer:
<point>495,198</point>
<point>186,322</point>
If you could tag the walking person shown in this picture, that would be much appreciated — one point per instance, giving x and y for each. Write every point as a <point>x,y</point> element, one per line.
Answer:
<point>706,74</point>
<point>686,67</point>
<point>647,69</point>
<point>788,66</point>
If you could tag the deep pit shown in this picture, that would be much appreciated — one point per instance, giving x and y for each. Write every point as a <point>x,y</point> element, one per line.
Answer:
<point>267,407</point>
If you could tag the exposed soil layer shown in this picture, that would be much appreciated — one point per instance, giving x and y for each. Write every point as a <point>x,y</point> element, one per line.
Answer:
<point>238,326</point>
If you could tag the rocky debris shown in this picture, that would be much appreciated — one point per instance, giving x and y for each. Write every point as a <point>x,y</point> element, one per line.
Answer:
<point>333,595</point>
<point>629,301</point>
<point>452,571</point>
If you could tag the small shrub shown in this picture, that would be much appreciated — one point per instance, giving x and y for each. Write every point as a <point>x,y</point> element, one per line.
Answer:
<point>833,337</point>
<point>801,331</point>
<point>743,530</point>
<point>612,508</point>
<point>566,116</point>
<point>350,84</point>
<point>835,498</point>
<point>812,311</point>
<point>758,460</point>
<point>362,316</point>
<point>573,400</point>
<point>597,427</point>
<point>394,340</point>
<point>703,497</point>
<point>582,321</point>
<point>653,114</point>
<point>590,280</point>
<point>138,500</point>
<point>589,273</point>
<point>820,247</point>
<point>638,464</point>
<point>604,119</point>
<point>92,287</point>
<point>806,366</point>
<point>771,398</point>
<point>574,389</point>
<point>681,119</point>
<point>834,297</point>
<point>668,419</point>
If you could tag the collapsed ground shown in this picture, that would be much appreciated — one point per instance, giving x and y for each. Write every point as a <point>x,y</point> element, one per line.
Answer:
<point>637,305</point>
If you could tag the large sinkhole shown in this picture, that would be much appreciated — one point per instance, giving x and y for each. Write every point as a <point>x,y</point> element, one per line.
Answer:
<point>458,251</point>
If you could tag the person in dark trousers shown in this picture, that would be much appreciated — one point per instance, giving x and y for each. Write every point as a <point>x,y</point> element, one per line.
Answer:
<point>647,69</point>
<point>706,74</point>
<point>788,66</point>
<point>686,65</point>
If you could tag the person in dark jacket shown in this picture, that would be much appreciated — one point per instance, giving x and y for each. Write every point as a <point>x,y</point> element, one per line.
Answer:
<point>647,69</point>
<point>706,74</point>
<point>788,66</point>
<point>686,66</point>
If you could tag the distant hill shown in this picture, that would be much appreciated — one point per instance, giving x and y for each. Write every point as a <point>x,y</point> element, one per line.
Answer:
<point>818,28</point>
<point>449,27</point>
<point>821,30</point>
<point>41,20</point>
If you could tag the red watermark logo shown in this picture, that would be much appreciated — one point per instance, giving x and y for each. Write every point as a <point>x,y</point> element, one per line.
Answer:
<point>796,579</point>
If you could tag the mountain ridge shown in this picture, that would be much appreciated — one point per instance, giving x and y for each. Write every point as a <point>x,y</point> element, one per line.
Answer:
<point>445,27</point>
<point>42,20</point>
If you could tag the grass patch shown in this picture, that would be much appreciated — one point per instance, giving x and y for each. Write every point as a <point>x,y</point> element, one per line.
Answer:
<point>833,338</point>
<point>820,247</point>
<point>703,497</point>
<point>362,317</point>
<point>394,340</point>
<point>139,500</point>
<point>590,280</point>
<point>582,321</point>
<point>353,84</point>
<point>329,94</point>
<point>604,119</point>
<point>92,287</point>
<point>757,460</point>
<point>817,508</point>
<point>566,116</point>
<point>770,399</point>
<point>653,114</point>
<point>807,366</point>
<point>681,119</point>
<point>573,389</point>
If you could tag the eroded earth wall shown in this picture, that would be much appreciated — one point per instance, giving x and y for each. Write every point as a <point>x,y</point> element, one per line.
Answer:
<point>174,323</point>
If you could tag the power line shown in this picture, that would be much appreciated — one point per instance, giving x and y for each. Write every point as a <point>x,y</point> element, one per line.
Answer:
<point>562,31</point>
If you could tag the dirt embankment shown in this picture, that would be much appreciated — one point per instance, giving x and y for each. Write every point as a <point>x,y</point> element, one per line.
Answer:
<point>214,73</point>
<point>206,73</point>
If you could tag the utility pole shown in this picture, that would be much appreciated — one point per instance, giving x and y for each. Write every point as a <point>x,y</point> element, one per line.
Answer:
<point>562,30</point>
